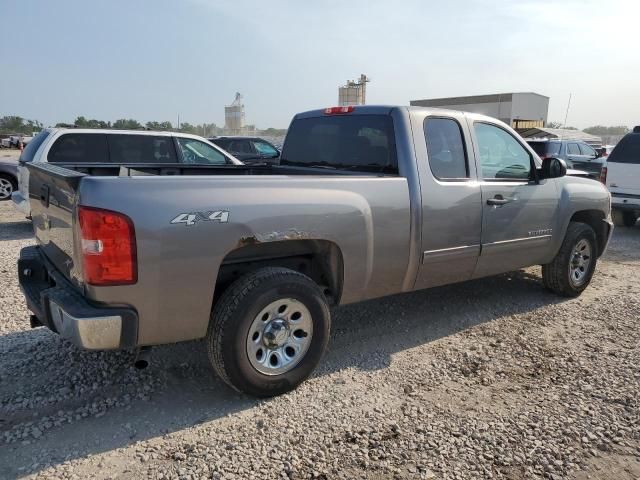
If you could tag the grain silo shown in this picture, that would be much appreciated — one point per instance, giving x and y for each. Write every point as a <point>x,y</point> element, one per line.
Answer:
<point>234,117</point>
<point>353,92</point>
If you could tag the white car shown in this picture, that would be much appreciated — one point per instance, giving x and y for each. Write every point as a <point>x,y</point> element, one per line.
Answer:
<point>87,147</point>
<point>623,179</point>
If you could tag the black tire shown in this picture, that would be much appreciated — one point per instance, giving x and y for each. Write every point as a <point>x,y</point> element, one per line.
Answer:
<point>14,186</point>
<point>233,315</point>
<point>556,275</point>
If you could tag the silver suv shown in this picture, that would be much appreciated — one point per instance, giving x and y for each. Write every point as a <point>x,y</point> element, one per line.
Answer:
<point>84,147</point>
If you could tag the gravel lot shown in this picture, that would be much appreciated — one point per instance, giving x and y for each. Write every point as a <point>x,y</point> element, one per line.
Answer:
<point>489,379</point>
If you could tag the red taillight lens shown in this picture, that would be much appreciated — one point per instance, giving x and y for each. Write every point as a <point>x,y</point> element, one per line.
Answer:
<point>603,175</point>
<point>338,110</point>
<point>108,243</point>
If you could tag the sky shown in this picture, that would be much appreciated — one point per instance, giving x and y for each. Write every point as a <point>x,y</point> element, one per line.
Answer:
<point>155,59</point>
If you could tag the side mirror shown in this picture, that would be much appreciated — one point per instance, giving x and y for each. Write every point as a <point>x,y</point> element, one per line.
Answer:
<point>553,168</point>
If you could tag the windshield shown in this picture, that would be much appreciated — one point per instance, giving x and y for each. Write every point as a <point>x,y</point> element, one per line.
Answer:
<point>195,151</point>
<point>347,142</point>
<point>33,146</point>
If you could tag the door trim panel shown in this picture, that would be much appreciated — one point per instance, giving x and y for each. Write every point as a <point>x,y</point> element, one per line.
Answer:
<point>504,246</point>
<point>453,253</point>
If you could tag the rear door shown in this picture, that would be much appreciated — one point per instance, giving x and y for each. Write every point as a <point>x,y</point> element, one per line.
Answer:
<point>574,155</point>
<point>451,200</point>
<point>518,213</point>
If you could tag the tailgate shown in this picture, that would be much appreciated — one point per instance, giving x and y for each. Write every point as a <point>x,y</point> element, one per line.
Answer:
<point>623,178</point>
<point>52,194</point>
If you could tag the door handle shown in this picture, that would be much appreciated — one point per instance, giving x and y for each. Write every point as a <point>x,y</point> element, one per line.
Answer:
<point>499,200</point>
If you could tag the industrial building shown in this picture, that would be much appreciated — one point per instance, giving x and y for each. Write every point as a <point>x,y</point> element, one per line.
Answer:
<point>521,110</point>
<point>234,117</point>
<point>353,92</point>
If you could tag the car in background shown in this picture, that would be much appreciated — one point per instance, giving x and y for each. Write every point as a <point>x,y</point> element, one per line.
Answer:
<point>605,150</point>
<point>15,140</point>
<point>622,176</point>
<point>8,176</point>
<point>249,150</point>
<point>577,154</point>
<point>89,148</point>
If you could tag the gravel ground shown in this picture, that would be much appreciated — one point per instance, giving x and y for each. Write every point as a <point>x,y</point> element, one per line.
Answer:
<point>488,379</point>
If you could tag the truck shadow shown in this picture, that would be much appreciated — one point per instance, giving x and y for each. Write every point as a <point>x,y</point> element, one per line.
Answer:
<point>15,230</point>
<point>93,402</point>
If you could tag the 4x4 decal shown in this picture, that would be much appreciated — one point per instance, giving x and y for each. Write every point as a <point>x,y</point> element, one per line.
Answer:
<point>220,216</point>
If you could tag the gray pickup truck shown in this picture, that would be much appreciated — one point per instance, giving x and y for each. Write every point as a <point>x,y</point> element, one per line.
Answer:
<point>366,202</point>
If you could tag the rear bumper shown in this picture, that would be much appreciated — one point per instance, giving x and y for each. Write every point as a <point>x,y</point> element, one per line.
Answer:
<point>59,306</point>
<point>625,202</point>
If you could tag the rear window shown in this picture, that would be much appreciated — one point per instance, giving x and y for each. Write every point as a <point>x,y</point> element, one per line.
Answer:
<point>363,143</point>
<point>33,146</point>
<point>627,150</point>
<point>141,149</point>
<point>544,149</point>
<point>79,148</point>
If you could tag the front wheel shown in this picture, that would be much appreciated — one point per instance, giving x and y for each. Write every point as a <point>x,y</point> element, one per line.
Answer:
<point>268,331</point>
<point>571,270</point>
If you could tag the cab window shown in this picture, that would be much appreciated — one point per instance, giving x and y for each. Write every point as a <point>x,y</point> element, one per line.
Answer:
<point>502,157</point>
<point>445,148</point>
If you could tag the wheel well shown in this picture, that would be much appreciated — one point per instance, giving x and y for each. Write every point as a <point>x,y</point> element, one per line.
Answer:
<point>320,260</point>
<point>594,218</point>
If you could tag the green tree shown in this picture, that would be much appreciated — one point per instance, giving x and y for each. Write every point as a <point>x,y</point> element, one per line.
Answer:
<point>186,127</point>
<point>127,124</point>
<point>601,130</point>
<point>159,125</point>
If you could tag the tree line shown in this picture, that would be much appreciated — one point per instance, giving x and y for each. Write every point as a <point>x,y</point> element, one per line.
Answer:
<point>15,124</point>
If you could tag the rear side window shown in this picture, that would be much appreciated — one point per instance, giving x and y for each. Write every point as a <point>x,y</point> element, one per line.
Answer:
<point>359,143</point>
<point>33,146</point>
<point>573,149</point>
<point>627,150</point>
<point>445,147</point>
<point>240,146</point>
<point>545,149</point>
<point>141,149</point>
<point>79,148</point>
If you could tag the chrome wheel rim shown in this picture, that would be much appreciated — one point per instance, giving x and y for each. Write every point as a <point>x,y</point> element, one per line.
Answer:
<point>580,261</point>
<point>279,336</point>
<point>5,188</point>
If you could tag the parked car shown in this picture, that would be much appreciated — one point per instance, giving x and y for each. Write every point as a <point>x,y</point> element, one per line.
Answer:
<point>249,149</point>
<point>86,147</point>
<point>367,201</point>
<point>5,141</point>
<point>623,179</point>
<point>8,178</point>
<point>578,155</point>
<point>16,140</point>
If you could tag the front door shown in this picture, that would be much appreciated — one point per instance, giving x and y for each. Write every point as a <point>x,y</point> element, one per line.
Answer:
<point>451,202</point>
<point>518,212</point>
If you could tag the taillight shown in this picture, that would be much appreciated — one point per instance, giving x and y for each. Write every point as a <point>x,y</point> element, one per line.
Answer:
<point>603,175</point>
<point>108,243</point>
<point>338,110</point>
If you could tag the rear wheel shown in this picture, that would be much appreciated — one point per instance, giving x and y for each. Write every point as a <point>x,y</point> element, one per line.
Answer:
<point>268,331</point>
<point>572,268</point>
<point>7,186</point>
